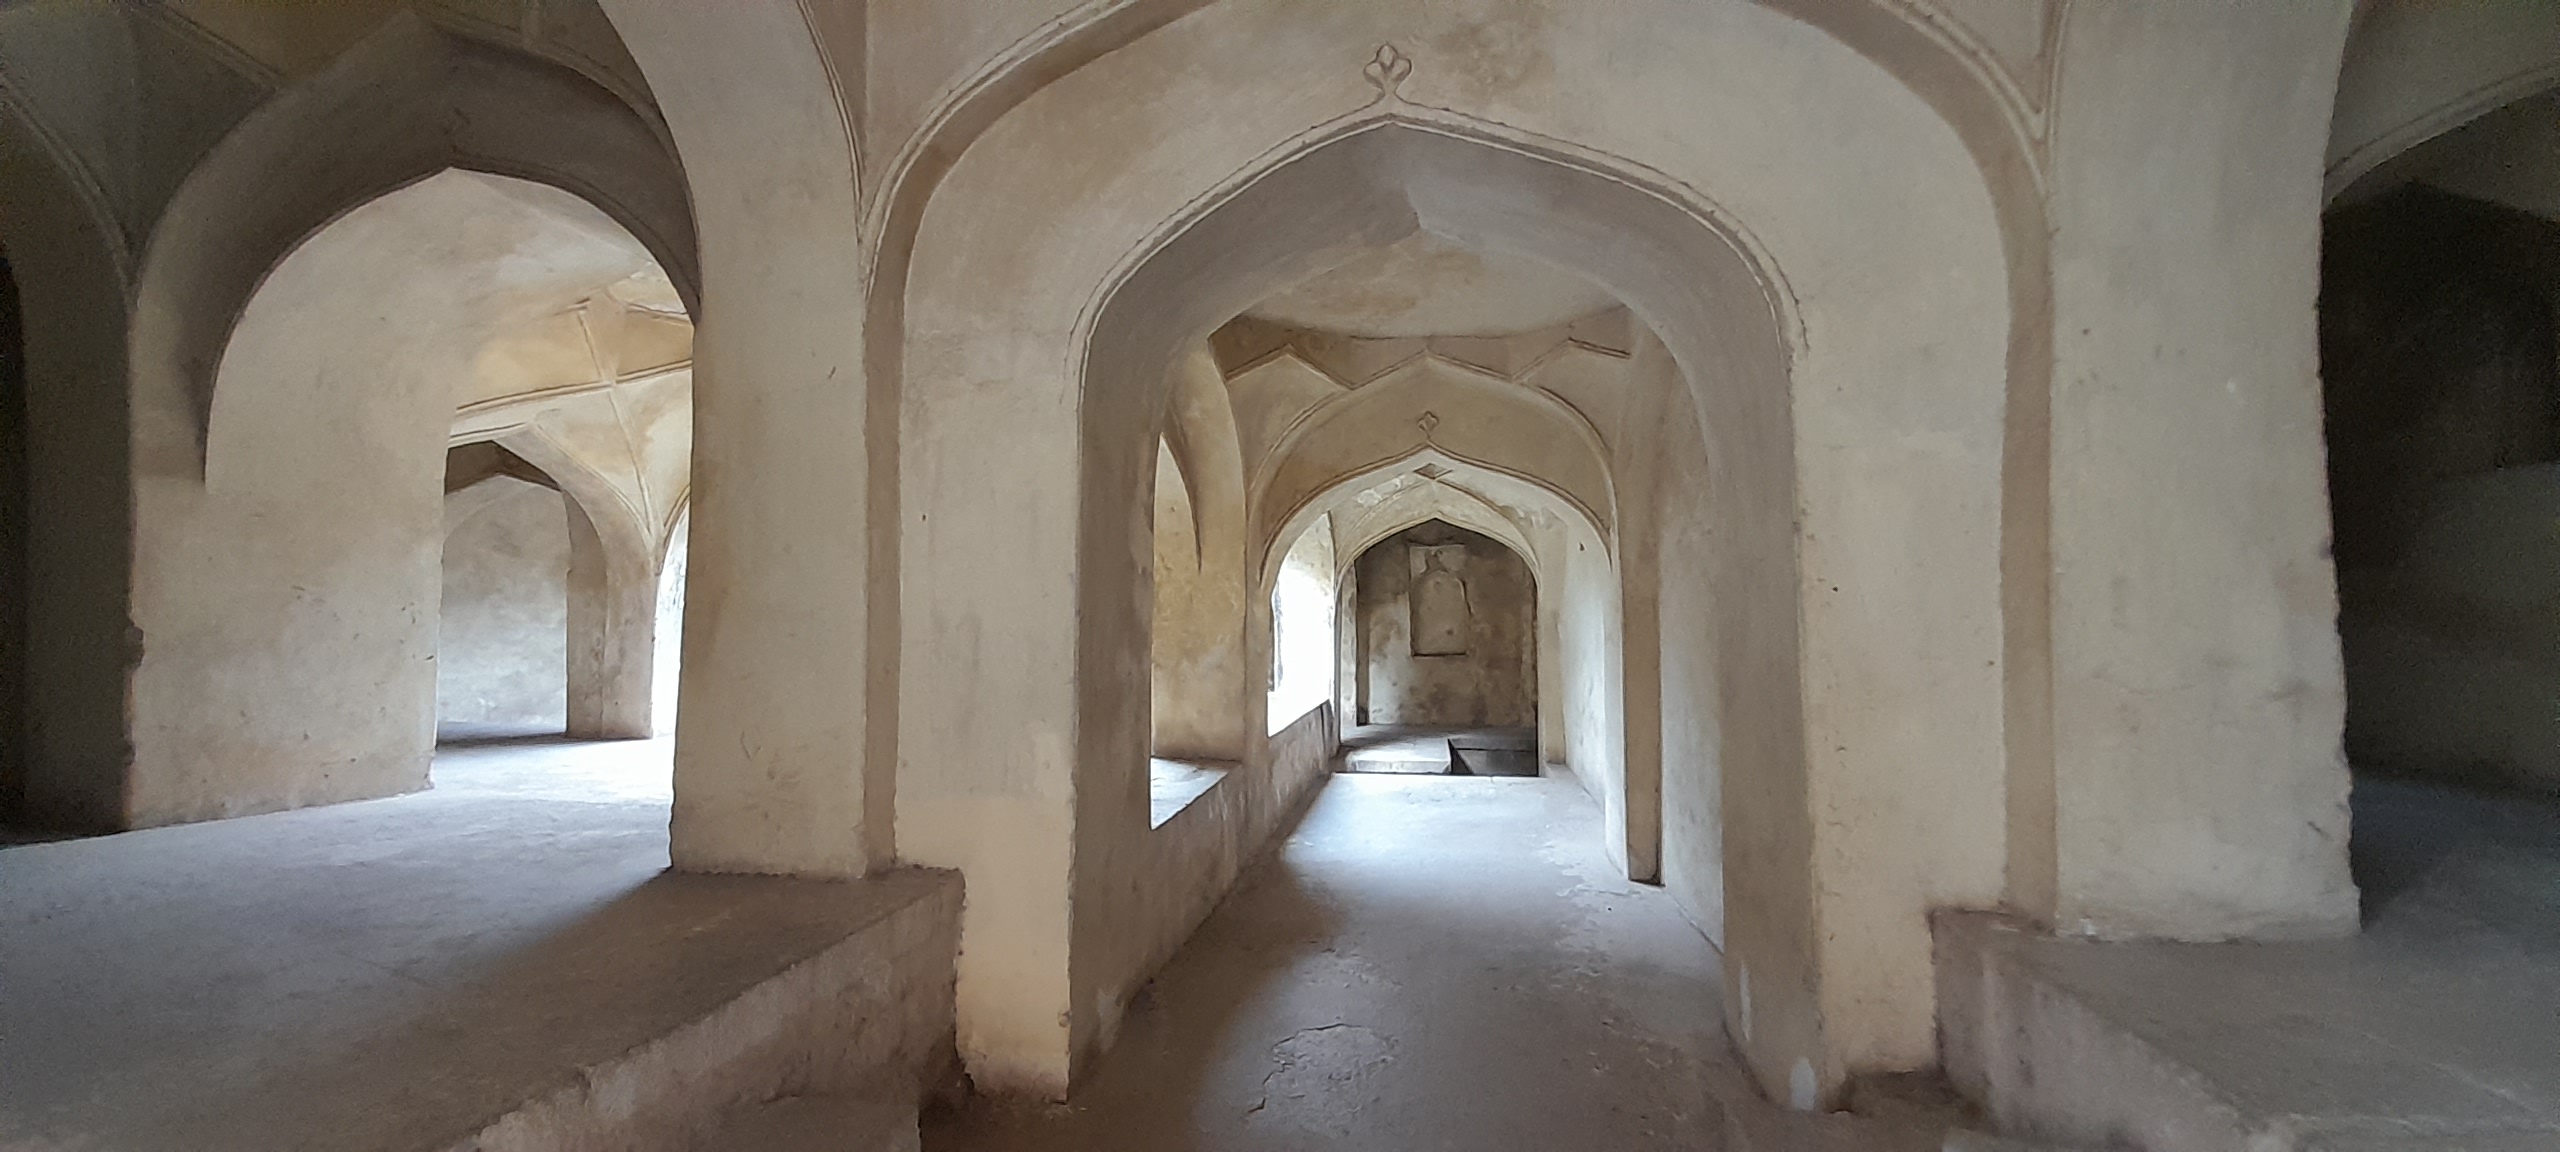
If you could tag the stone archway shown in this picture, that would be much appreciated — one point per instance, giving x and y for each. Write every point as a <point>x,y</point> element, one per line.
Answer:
<point>291,596</point>
<point>1379,179</point>
<point>1179,217</point>
<point>406,103</point>
<point>1582,691</point>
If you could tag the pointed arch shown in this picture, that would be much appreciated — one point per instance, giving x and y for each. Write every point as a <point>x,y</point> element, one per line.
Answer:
<point>407,102</point>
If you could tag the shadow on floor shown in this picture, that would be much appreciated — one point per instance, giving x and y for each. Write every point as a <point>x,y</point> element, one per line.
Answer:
<point>498,735</point>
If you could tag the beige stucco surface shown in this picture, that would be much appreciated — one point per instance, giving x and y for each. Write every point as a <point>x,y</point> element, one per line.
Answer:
<point>1491,681</point>
<point>1907,413</point>
<point>987,555</point>
<point>303,574</point>
<point>2197,691</point>
<point>502,624</point>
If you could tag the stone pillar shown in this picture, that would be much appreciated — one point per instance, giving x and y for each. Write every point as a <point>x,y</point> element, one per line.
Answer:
<point>2197,695</point>
<point>780,765</point>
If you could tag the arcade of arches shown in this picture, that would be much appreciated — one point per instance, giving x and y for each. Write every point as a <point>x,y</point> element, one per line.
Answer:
<point>1744,574</point>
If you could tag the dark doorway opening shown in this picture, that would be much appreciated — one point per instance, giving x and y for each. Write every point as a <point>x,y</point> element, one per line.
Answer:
<point>2441,378</point>
<point>14,575</point>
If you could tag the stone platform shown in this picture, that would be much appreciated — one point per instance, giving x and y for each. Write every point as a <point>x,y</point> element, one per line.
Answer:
<point>2437,1029</point>
<point>486,966</point>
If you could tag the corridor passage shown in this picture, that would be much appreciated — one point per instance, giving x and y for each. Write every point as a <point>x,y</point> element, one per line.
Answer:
<point>1429,963</point>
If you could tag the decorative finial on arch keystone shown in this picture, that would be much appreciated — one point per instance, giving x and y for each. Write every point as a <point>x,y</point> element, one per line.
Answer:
<point>1429,422</point>
<point>1388,70</point>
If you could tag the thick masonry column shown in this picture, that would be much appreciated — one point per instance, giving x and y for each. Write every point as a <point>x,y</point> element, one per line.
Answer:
<point>771,773</point>
<point>2199,786</point>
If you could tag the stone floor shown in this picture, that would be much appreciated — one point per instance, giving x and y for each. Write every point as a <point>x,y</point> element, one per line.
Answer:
<point>1428,963</point>
<point>366,976</point>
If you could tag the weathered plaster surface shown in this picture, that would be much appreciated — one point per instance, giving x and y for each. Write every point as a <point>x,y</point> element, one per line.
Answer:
<point>783,762</point>
<point>1492,684</point>
<point>2198,694</point>
<point>300,577</point>
<point>991,555</point>
<point>502,631</point>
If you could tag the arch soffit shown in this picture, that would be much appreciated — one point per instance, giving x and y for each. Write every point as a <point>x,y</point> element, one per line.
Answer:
<point>1340,498</point>
<point>2413,72</point>
<point>52,194</point>
<point>629,539</point>
<point>2000,107</point>
<point>1388,120</point>
<point>1538,413</point>
<point>1460,507</point>
<point>1391,112</point>
<point>408,101</point>
<point>1200,434</point>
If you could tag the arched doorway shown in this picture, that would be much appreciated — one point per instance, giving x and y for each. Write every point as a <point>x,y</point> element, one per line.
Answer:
<point>502,646</point>
<point>1264,201</point>
<point>496,346</point>
<point>2440,365</point>
<point>1444,656</point>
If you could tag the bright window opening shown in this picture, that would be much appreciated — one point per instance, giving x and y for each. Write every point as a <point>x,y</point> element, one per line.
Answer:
<point>1302,647</point>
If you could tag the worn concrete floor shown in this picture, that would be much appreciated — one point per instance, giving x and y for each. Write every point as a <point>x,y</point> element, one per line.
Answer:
<point>370,976</point>
<point>1428,963</point>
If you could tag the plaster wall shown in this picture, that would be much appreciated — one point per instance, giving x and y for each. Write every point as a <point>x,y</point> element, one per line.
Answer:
<point>127,92</point>
<point>920,57</point>
<point>187,147</point>
<point>1895,496</point>
<point>667,663</point>
<point>1594,731</point>
<point>288,601</point>
<point>1173,875</point>
<point>1299,618</point>
<point>502,634</point>
<point>1197,633</point>
<point>1552,747</point>
<point>1493,683</point>
<point>301,574</point>
<point>2197,688</point>
<point>1667,549</point>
